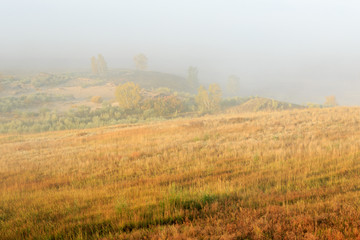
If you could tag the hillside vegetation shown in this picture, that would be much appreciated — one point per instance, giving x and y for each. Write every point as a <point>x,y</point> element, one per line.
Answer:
<point>264,175</point>
<point>149,79</point>
<point>258,104</point>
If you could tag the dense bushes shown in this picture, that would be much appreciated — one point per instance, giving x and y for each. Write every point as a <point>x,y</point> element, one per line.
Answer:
<point>79,118</point>
<point>164,106</point>
<point>10,104</point>
<point>47,120</point>
<point>47,80</point>
<point>19,114</point>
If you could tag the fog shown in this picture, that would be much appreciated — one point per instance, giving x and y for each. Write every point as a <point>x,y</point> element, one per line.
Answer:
<point>298,51</point>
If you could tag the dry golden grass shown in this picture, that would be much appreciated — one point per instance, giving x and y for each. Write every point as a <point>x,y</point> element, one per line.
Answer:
<point>282,175</point>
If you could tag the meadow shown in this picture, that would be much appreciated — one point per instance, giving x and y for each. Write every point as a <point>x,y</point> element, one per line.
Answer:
<point>290,174</point>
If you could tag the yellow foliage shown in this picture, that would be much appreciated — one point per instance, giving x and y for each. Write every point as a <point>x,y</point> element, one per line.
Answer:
<point>96,99</point>
<point>209,100</point>
<point>128,95</point>
<point>330,101</point>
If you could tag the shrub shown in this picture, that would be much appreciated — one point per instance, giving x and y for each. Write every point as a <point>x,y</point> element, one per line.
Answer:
<point>96,99</point>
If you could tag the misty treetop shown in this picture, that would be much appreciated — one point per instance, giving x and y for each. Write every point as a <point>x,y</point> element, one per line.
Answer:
<point>233,85</point>
<point>192,77</point>
<point>141,62</point>
<point>99,65</point>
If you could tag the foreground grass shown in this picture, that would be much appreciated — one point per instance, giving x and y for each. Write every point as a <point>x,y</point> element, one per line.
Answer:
<point>281,175</point>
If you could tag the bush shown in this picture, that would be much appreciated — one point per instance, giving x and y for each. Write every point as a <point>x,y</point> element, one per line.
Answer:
<point>163,106</point>
<point>96,99</point>
<point>128,95</point>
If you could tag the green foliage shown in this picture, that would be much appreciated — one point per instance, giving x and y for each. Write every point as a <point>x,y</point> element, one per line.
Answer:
<point>48,80</point>
<point>79,118</point>
<point>28,113</point>
<point>10,104</point>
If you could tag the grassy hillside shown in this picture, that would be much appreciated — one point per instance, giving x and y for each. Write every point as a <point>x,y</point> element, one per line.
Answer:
<point>266,175</point>
<point>149,79</point>
<point>25,97</point>
<point>258,104</point>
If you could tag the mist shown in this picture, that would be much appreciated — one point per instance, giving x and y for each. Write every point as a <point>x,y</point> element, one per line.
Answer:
<point>293,51</point>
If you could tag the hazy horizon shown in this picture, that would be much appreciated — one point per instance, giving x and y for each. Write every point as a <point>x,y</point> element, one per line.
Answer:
<point>295,51</point>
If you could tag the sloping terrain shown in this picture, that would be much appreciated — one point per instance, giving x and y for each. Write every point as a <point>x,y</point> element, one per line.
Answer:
<point>78,88</point>
<point>149,79</point>
<point>267,175</point>
<point>263,104</point>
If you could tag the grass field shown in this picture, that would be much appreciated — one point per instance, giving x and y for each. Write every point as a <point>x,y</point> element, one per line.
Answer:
<point>265,175</point>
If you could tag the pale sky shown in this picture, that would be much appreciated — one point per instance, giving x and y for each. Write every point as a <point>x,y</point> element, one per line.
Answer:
<point>294,50</point>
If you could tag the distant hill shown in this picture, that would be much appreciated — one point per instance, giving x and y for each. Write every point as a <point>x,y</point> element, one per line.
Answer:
<point>149,79</point>
<point>262,104</point>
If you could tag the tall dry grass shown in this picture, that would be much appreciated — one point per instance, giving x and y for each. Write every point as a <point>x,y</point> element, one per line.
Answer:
<point>280,175</point>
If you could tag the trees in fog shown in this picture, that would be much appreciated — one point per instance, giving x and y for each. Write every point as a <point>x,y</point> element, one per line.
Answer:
<point>330,101</point>
<point>209,100</point>
<point>99,65</point>
<point>140,61</point>
<point>192,78</point>
<point>94,66</point>
<point>102,65</point>
<point>233,85</point>
<point>128,95</point>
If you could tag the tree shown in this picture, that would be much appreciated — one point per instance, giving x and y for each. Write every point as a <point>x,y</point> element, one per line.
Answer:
<point>128,95</point>
<point>98,66</point>
<point>94,66</point>
<point>140,61</point>
<point>102,66</point>
<point>330,101</point>
<point>233,85</point>
<point>209,100</point>
<point>192,79</point>
<point>215,96</point>
<point>202,99</point>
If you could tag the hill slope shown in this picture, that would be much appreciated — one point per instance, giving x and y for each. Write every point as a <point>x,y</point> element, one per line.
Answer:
<point>149,79</point>
<point>263,104</point>
<point>261,175</point>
